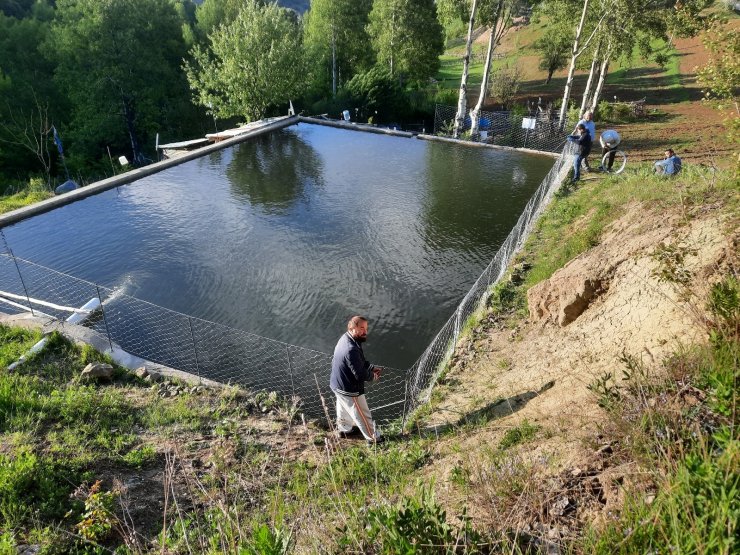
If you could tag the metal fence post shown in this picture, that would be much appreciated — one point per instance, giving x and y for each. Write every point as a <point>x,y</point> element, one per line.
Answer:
<point>105,320</point>
<point>17,269</point>
<point>195,348</point>
<point>23,283</point>
<point>290,369</point>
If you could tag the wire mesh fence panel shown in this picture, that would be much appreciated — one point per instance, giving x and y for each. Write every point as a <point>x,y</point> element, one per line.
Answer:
<point>54,288</point>
<point>387,396</point>
<point>220,353</point>
<point>148,331</point>
<point>14,301</point>
<point>232,356</point>
<point>425,371</point>
<point>310,372</point>
<point>538,130</point>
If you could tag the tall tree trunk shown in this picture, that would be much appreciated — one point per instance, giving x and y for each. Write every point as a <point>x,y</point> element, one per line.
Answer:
<point>129,115</point>
<point>475,112</point>
<point>393,37</point>
<point>589,82</point>
<point>549,75</point>
<point>333,63</point>
<point>575,54</point>
<point>604,70</point>
<point>498,29</point>
<point>462,99</point>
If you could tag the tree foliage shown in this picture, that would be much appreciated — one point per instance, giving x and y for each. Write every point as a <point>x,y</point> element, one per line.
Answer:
<point>213,13</point>
<point>407,37</point>
<point>26,92</point>
<point>252,63</point>
<point>336,42</point>
<point>553,47</point>
<point>117,63</point>
<point>720,77</point>
<point>377,94</point>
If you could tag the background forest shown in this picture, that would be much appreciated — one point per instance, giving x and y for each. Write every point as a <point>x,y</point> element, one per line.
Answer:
<point>106,79</point>
<point>109,76</point>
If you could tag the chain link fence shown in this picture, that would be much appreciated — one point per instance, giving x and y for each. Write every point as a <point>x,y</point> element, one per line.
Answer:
<point>232,356</point>
<point>537,130</point>
<point>425,372</point>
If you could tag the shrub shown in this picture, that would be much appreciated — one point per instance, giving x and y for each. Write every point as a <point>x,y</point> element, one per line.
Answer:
<point>415,525</point>
<point>505,84</point>
<point>377,91</point>
<point>615,112</point>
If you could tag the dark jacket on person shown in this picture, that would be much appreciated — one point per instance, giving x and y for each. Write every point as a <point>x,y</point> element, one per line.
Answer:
<point>583,141</point>
<point>349,369</point>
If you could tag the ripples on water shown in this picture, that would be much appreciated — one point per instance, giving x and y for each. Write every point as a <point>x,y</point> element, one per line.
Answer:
<point>289,234</point>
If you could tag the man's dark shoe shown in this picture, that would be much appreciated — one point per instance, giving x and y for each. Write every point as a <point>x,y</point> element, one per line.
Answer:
<point>376,441</point>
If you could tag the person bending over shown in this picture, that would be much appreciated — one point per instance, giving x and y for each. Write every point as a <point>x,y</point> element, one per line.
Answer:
<point>609,140</point>
<point>670,165</point>
<point>583,139</point>
<point>349,372</point>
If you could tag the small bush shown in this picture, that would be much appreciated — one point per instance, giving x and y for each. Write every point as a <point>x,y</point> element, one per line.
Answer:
<point>415,525</point>
<point>615,112</point>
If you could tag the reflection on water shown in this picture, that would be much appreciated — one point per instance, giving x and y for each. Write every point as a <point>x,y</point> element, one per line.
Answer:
<point>273,170</point>
<point>470,196</point>
<point>288,235</point>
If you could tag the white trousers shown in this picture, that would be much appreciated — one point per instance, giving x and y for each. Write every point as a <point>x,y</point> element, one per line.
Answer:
<point>353,411</point>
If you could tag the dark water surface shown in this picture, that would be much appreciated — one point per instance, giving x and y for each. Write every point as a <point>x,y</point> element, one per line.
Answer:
<point>289,234</point>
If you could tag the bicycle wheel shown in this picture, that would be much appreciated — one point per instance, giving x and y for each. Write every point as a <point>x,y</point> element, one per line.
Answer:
<point>620,161</point>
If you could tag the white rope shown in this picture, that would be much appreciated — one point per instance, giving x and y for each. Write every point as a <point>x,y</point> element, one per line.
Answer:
<point>43,303</point>
<point>24,307</point>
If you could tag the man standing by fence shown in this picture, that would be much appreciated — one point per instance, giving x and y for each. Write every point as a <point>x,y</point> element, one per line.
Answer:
<point>583,140</point>
<point>349,372</point>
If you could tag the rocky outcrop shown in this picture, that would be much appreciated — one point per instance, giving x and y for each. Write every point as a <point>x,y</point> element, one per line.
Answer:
<point>566,295</point>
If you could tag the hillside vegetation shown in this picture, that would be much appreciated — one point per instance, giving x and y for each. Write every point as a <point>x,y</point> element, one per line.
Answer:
<point>617,430</point>
<point>591,406</point>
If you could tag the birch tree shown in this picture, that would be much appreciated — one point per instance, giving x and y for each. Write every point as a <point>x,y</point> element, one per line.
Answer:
<point>578,49</point>
<point>336,42</point>
<point>466,10</point>
<point>498,17</point>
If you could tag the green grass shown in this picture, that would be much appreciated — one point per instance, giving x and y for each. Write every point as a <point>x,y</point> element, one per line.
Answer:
<point>56,431</point>
<point>14,342</point>
<point>519,434</point>
<point>576,219</point>
<point>21,199</point>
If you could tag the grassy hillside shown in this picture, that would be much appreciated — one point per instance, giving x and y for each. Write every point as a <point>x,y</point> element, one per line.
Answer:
<point>617,433</point>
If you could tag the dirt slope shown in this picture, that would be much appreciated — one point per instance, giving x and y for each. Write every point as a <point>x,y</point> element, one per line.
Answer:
<point>540,372</point>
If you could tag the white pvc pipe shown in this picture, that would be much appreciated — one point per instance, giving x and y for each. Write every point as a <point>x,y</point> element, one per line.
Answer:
<point>79,316</point>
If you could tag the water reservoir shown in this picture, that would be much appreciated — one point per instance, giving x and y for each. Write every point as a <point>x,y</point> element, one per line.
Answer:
<point>288,234</point>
